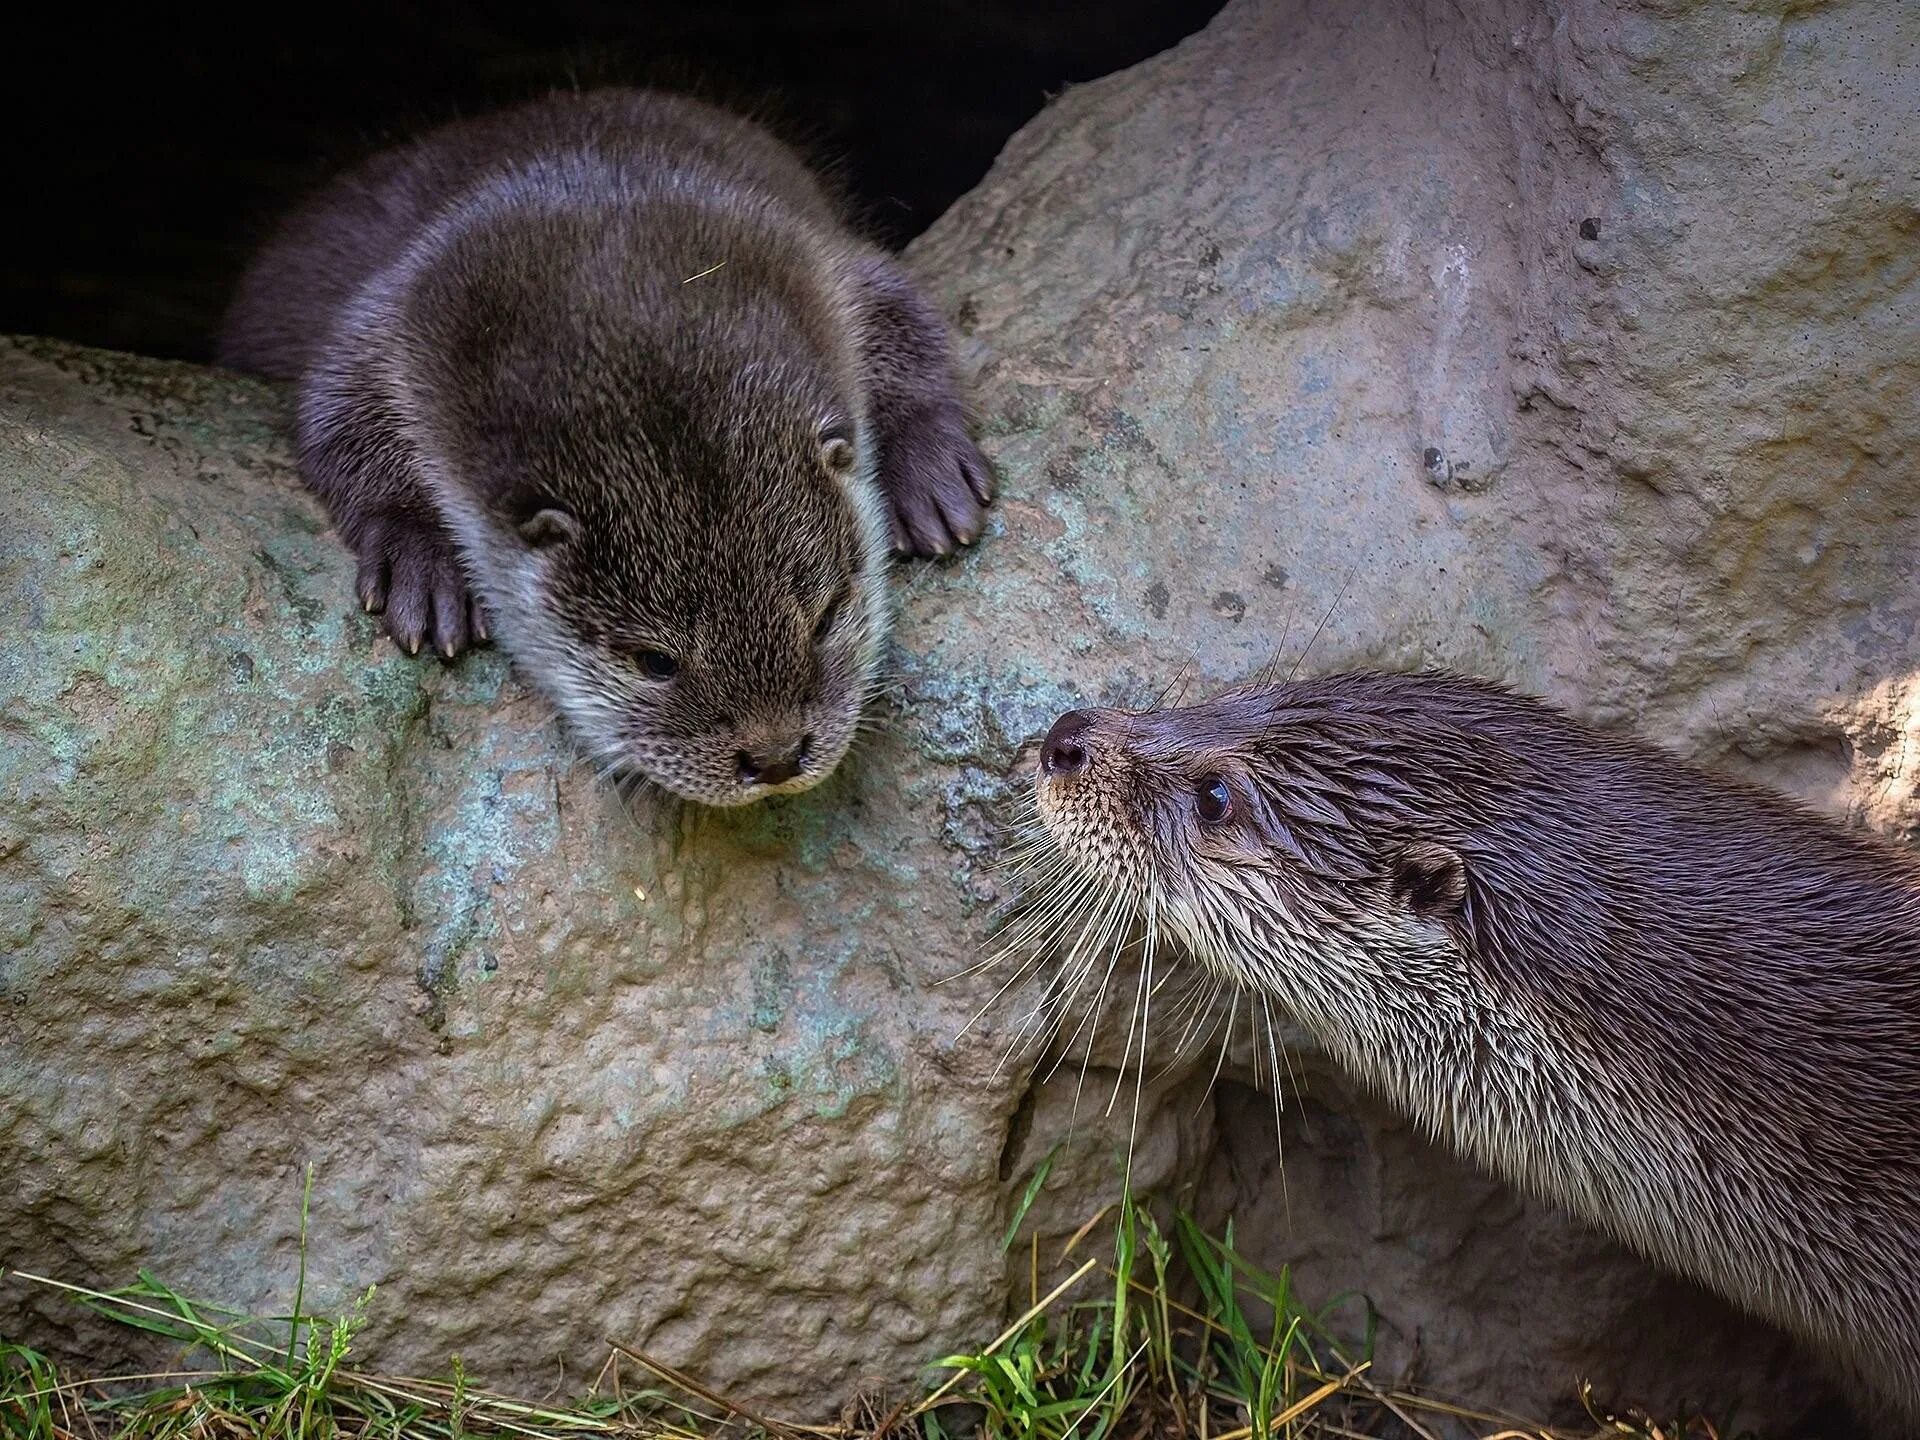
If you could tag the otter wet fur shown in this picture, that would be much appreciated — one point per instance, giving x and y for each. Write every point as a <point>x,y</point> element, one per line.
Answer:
<point>1683,1007</point>
<point>609,374</point>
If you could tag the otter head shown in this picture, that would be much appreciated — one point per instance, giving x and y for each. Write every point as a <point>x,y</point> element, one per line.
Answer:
<point>676,530</point>
<point>1289,839</point>
<point>713,620</point>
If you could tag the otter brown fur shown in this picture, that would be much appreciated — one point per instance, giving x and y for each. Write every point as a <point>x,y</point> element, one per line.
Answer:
<point>614,362</point>
<point>1684,1007</point>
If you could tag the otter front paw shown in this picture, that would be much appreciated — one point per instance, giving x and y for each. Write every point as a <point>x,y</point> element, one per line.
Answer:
<point>410,572</point>
<point>937,482</point>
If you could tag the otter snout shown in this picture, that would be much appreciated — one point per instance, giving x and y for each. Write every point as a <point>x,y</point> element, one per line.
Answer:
<point>773,764</point>
<point>1081,788</point>
<point>1062,752</point>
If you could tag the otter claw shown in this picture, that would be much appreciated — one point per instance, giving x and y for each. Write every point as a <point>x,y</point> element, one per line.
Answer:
<point>371,583</point>
<point>979,476</point>
<point>409,573</point>
<point>934,477</point>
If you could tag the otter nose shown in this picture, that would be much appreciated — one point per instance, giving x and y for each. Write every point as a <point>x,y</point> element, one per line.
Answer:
<point>773,764</point>
<point>1062,753</point>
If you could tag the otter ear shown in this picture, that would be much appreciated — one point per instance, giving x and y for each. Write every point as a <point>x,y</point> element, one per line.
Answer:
<point>1430,879</point>
<point>548,526</point>
<point>836,448</point>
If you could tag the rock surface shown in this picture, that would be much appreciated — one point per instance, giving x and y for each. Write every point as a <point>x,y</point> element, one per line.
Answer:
<point>275,895</point>
<point>1577,350</point>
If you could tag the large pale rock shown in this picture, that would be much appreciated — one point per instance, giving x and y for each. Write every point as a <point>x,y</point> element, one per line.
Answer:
<point>274,894</point>
<point>1578,349</point>
<point>1574,345</point>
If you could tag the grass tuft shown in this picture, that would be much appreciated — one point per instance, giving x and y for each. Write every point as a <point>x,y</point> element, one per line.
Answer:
<point>1176,1335</point>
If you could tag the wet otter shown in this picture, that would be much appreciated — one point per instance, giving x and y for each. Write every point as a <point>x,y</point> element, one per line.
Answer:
<point>1681,1006</point>
<point>609,373</point>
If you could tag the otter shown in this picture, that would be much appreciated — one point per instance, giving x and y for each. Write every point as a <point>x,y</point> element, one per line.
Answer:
<point>1680,1006</point>
<point>609,374</point>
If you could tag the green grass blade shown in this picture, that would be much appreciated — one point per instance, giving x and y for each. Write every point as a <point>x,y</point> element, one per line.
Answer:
<point>1028,1196</point>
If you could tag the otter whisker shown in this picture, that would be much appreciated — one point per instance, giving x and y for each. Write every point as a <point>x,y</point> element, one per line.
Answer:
<point>1226,1043</point>
<point>1044,923</point>
<point>1294,1086</point>
<point>1307,649</point>
<point>1279,1137</point>
<point>1217,1011</point>
<point>1098,1006</point>
<point>1028,842</point>
<point>1188,1016</point>
<point>1084,957</point>
<point>1063,985</point>
<point>1144,991</point>
<point>1056,1001</point>
<point>1040,1038</point>
<point>1014,937</point>
<point>1273,1052</point>
<point>1052,915</point>
<point>1202,999</point>
<point>1140,1065</point>
<point>1101,937</point>
<point>1049,864</point>
<point>986,962</point>
<point>1179,678</point>
<point>1051,919</point>
<point>1027,914</point>
<point>1012,980</point>
<point>1039,1027</point>
<point>1134,1012</point>
<point>1046,872</point>
<point>1049,1017</point>
<point>1031,849</point>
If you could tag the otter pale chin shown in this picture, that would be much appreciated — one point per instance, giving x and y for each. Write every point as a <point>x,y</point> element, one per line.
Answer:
<point>609,376</point>
<point>1683,1007</point>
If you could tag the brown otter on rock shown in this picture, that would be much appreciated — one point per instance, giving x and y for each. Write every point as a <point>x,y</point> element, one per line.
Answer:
<point>609,373</point>
<point>1681,1006</point>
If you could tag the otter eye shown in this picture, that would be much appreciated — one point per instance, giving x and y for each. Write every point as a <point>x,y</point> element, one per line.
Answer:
<point>1212,800</point>
<point>824,625</point>
<point>656,664</point>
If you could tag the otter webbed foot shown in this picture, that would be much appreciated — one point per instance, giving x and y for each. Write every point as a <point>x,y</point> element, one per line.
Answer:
<point>410,573</point>
<point>937,483</point>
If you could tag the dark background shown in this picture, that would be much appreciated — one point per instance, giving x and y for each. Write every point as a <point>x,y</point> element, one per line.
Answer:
<point>143,157</point>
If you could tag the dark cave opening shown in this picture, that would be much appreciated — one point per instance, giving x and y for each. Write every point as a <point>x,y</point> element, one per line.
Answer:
<point>148,158</point>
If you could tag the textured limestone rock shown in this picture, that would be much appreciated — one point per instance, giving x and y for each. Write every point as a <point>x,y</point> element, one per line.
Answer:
<point>1577,349</point>
<point>271,894</point>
